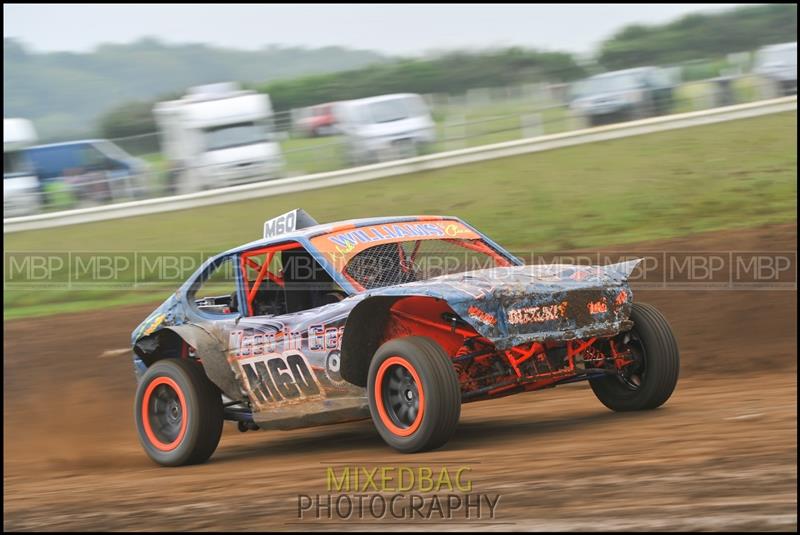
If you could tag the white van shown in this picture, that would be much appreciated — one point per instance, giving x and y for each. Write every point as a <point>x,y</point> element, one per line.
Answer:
<point>21,193</point>
<point>385,127</point>
<point>779,64</point>
<point>218,135</point>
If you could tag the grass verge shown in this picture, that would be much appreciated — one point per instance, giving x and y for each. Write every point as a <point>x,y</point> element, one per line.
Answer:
<point>729,175</point>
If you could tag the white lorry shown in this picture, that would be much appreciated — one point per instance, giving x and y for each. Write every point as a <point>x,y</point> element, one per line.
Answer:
<point>218,135</point>
<point>21,193</point>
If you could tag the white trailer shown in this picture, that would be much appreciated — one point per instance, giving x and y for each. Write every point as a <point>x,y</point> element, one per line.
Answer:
<point>218,135</point>
<point>21,195</point>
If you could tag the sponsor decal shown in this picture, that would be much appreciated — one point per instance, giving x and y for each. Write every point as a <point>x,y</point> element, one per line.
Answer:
<point>456,230</point>
<point>333,365</point>
<point>341,252</point>
<point>241,345</point>
<point>277,378</point>
<point>621,298</point>
<point>339,246</point>
<point>538,314</point>
<point>153,326</point>
<point>481,315</point>
<point>597,307</point>
<point>263,358</point>
<point>321,338</point>
<point>386,232</point>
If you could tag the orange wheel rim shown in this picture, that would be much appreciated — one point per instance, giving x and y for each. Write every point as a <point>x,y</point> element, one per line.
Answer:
<point>399,396</point>
<point>164,414</point>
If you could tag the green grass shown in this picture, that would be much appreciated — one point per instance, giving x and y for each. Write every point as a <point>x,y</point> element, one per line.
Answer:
<point>694,96</point>
<point>495,122</point>
<point>490,123</point>
<point>313,155</point>
<point>729,175</point>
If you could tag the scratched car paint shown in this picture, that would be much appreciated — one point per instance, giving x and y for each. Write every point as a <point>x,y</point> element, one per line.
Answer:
<point>297,368</point>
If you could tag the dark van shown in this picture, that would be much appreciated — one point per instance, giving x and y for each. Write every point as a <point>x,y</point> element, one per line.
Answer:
<point>623,95</point>
<point>95,168</point>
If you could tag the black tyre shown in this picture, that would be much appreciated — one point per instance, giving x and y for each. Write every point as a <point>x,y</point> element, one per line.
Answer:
<point>650,381</point>
<point>179,413</point>
<point>414,395</point>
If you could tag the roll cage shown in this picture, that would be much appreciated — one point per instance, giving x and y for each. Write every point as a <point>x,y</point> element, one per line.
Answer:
<point>261,274</point>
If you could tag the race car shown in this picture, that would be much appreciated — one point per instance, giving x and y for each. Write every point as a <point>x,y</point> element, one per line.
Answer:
<point>397,319</point>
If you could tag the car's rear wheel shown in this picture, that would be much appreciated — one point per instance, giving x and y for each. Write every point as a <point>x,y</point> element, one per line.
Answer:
<point>179,413</point>
<point>649,381</point>
<point>414,394</point>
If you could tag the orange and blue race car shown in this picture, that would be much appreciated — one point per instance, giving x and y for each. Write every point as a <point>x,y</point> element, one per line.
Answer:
<point>398,319</point>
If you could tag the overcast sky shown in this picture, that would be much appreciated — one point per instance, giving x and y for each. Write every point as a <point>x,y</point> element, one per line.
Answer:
<point>392,29</point>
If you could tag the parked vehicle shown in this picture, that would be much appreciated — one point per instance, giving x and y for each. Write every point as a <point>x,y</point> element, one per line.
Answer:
<point>21,192</point>
<point>218,135</point>
<point>623,95</point>
<point>401,319</point>
<point>94,169</point>
<point>778,63</point>
<point>385,127</point>
<point>316,121</point>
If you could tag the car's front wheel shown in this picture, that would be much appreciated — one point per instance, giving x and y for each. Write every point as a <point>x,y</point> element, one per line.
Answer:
<point>414,394</point>
<point>179,413</point>
<point>650,379</point>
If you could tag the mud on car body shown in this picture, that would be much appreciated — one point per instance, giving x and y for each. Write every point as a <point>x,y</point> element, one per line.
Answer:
<point>398,319</point>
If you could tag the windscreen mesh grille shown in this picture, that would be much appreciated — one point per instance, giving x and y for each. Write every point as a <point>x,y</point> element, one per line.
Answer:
<point>399,263</point>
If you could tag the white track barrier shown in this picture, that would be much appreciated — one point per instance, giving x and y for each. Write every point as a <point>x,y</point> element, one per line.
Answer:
<point>397,167</point>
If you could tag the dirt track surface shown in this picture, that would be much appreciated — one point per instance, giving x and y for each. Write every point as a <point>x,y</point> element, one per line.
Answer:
<point>721,454</point>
